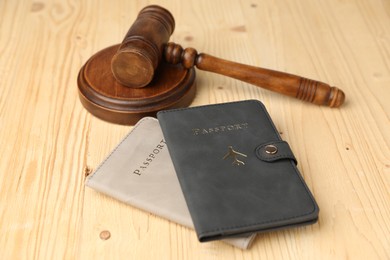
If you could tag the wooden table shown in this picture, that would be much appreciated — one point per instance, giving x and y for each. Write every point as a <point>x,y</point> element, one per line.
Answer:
<point>50,142</point>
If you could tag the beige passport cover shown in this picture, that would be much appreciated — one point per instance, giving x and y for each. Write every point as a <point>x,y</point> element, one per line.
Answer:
<point>139,172</point>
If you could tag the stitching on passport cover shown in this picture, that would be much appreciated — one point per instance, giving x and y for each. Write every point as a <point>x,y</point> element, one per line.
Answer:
<point>116,148</point>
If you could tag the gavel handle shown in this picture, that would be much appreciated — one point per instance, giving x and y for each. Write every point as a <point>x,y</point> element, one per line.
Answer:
<point>291,85</point>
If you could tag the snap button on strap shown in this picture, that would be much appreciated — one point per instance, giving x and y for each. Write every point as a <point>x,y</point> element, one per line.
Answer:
<point>270,149</point>
<point>275,151</point>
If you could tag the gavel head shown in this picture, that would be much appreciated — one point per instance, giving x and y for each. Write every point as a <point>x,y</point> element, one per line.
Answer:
<point>141,50</point>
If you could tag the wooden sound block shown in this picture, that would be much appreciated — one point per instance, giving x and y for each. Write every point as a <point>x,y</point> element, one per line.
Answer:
<point>172,87</point>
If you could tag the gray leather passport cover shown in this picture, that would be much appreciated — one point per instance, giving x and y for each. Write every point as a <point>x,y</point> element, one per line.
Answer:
<point>140,172</point>
<point>236,173</point>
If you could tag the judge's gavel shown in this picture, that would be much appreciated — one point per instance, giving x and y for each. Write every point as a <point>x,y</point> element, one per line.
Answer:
<point>146,43</point>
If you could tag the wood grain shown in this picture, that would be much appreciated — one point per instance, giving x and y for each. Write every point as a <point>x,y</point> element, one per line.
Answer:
<point>49,141</point>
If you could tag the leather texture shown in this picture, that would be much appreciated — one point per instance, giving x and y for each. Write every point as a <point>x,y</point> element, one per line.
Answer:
<point>229,190</point>
<point>139,172</point>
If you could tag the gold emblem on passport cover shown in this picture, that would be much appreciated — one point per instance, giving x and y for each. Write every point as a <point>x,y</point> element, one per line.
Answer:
<point>234,154</point>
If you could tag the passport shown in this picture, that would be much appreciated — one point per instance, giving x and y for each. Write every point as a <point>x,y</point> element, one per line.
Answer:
<point>236,173</point>
<point>140,173</point>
